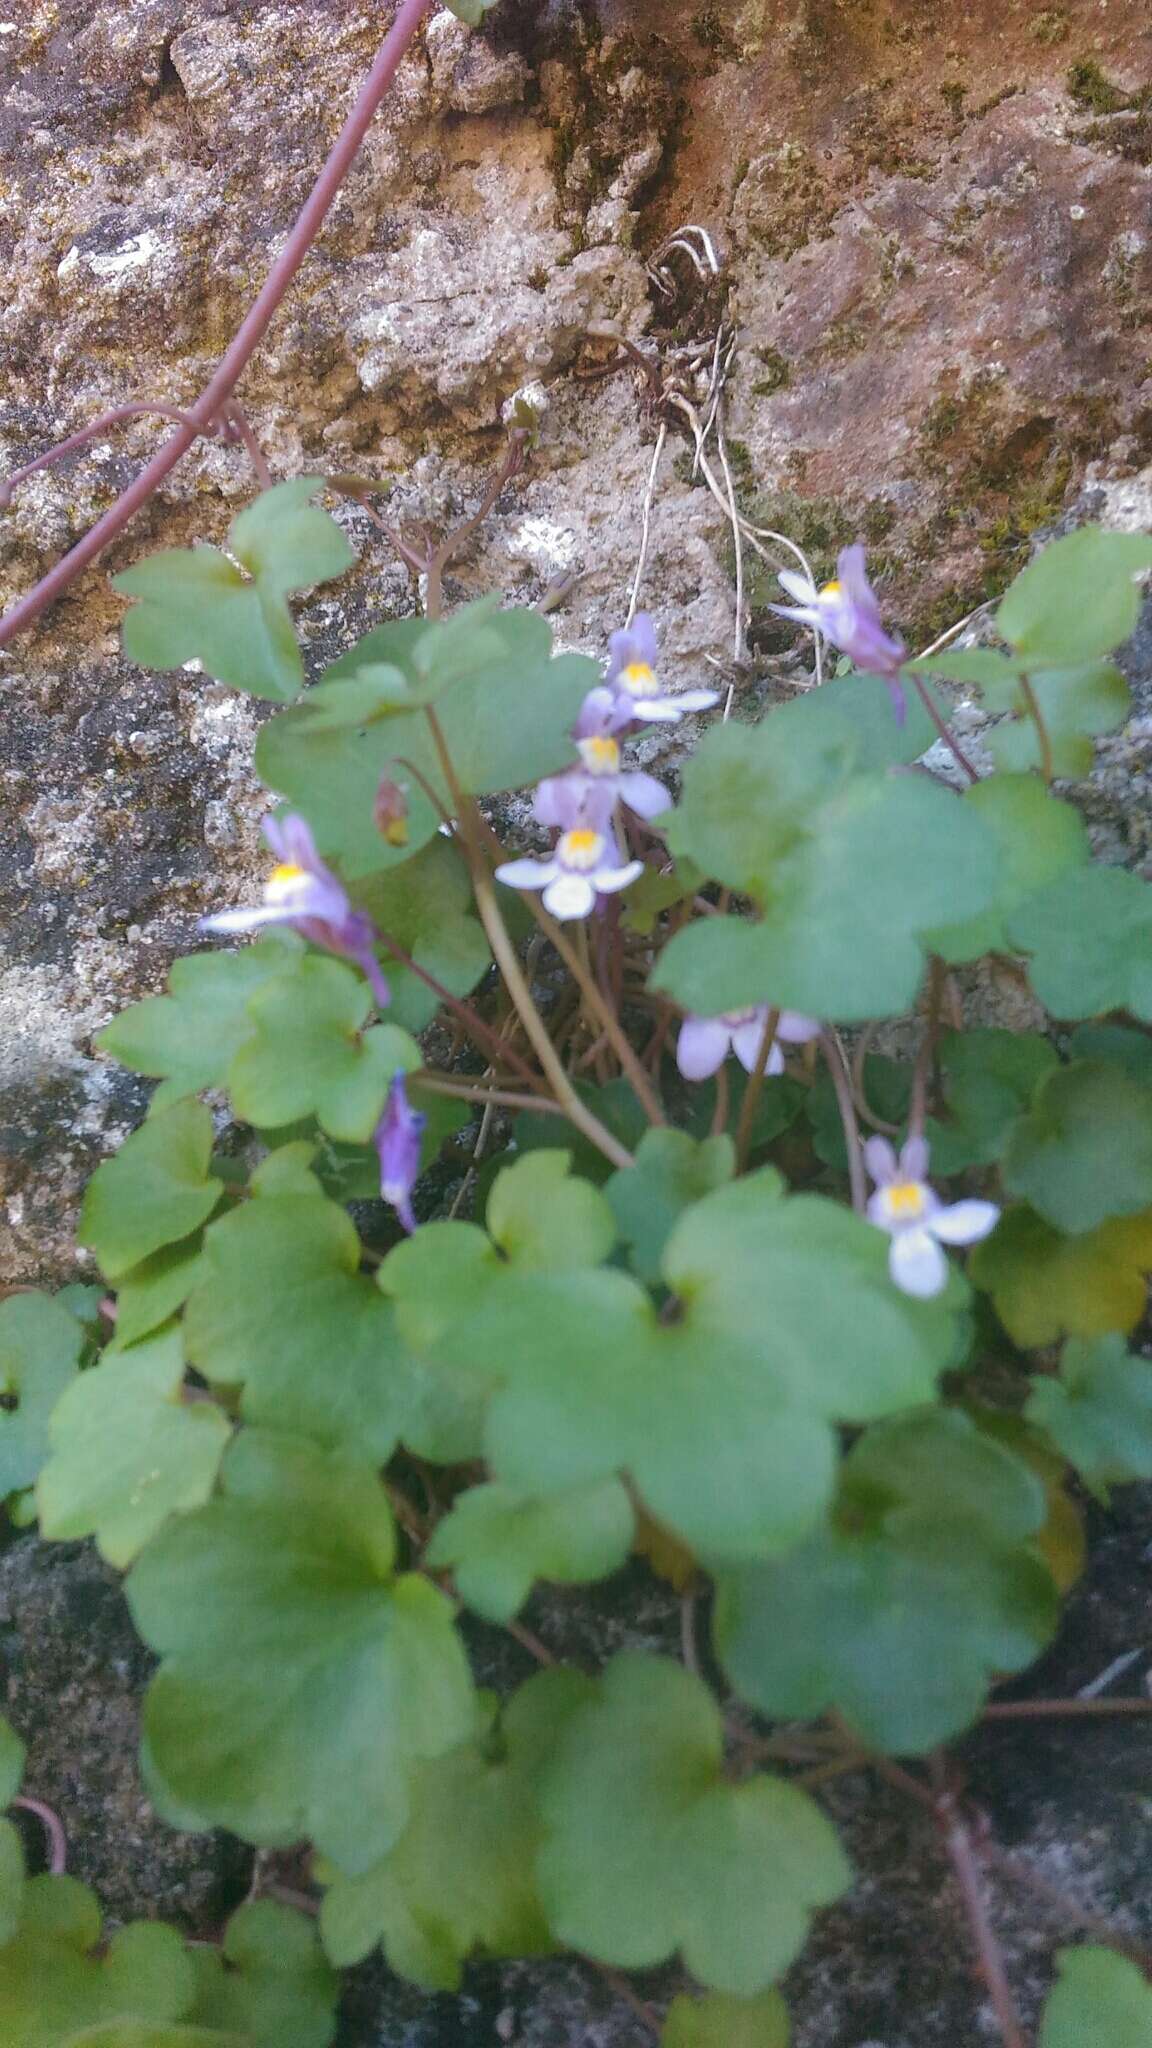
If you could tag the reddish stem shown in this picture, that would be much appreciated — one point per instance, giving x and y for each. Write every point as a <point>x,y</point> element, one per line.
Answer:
<point>1046,1710</point>
<point>53,1827</point>
<point>247,338</point>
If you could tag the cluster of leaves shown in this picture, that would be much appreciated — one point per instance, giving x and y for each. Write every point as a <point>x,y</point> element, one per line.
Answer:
<point>670,1356</point>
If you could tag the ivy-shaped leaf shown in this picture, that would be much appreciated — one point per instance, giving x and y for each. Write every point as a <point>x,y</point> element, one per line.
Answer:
<point>862,702</point>
<point>899,1613</point>
<point>270,1983</point>
<point>1037,838</point>
<point>727,1873</point>
<point>301,1680</point>
<point>151,1292</point>
<point>1075,704</point>
<point>1099,1412</point>
<point>188,1038</point>
<point>500,1542</point>
<point>1090,938</point>
<point>1083,1151</point>
<point>40,1345</point>
<point>55,1983</point>
<point>308,1053</point>
<point>281,1308</point>
<point>717,2021</point>
<point>461,1878</point>
<point>990,1076</point>
<point>784,1317</point>
<point>505,724</point>
<point>671,1172</point>
<point>1046,1285</point>
<point>197,605</point>
<point>1077,599</point>
<point>1102,2000</point>
<point>128,1450</point>
<point>154,1191</point>
<point>851,872</point>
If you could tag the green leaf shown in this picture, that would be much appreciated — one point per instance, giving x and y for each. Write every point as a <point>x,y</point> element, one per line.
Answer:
<point>851,871</point>
<point>151,1292</point>
<point>1037,838</point>
<point>12,1755</point>
<point>1074,704</point>
<point>197,605</point>
<point>40,1345</point>
<point>1090,937</point>
<point>154,1191</point>
<point>301,1680</point>
<point>270,1984</point>
<point>11,1880</point>
<point>990,1076</point>
<point>153,2034</point>
<point>309,1055</point>
<point>726,1873</point>
<point>1099,1412</point>
<point>654,892</point>
<point>471,12</point>
<point>500,1542</point>
<point>618,1110</point>
<point>1131,1050</point>
<point>539,1215</point>
<point>671,1172</point>
<point>409,663</point>
<point>461,1876</point>
<point>189,1037</point>
<point>1100,2001</point>
<point>426,906</point>
<point>505,724</point>
<point>784,1316</point>
<point>281,1308</point>
<point>863,703</point>
<point>717,2021</point>
<point>899,1613</point>
<point>128,1450</point>
<point>1046,1285</point>
<point>54,1988</point>
<point>1077,599</point>
<point>1083,1152</point>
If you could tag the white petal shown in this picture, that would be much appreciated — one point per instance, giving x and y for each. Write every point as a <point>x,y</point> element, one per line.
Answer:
<point>795,1028</point>
<point>528,874</point>
<point>697,700</point>
<point>797,586</point>
<point>656,711</point>
<point>702,1047</point>
<point>747,1040</point>
<point>917,1264</point>
<point>609,880</point>
<point>643,794</point>
<point>965,1222</point>
<point>245,920</point>
<point>569,896</point>
<point>880,1160</point>
<point>914,1159</point>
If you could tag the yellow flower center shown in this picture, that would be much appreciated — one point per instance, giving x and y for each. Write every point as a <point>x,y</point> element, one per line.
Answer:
<point>905,1201</point>
<point>286,872</point>
<point>600,756</point>
<point>639,679</point>
<point>831,589</point>
<point>580,849</point>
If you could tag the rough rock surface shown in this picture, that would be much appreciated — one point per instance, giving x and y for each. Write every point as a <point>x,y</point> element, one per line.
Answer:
<point>934,227</point>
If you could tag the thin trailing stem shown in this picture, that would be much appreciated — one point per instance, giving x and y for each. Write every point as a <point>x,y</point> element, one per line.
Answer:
<point>864,1108</point>
<point>1052,1710</point>
<point>117,416</point>
<point>1047,767</point>
<point>925,1057</point>
<point>754,1088</point>
<point>646,522</point>
<point>943,730</point>
<point>838,1069</point>
<point>53,1827</point>
<point>440,557</point>
<point>470,1017</point>
<point>212,401</point>
<point>483,1096</point>
<point>989,1955</point>
<point>504,953</point>
<point>618,1983</point>
<point>599,1004</point>
<point>719,1123</point>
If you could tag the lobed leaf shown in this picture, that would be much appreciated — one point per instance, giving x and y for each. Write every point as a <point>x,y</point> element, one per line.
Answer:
<point>1037,838</point>
<point>40,1346</point>
<point>308,1053</point>
<point>718,2021</point>
<point>1099,1412</point>
<point>1078,598</point>
<point>188,1038</point>
<point>499,1542</point>
<point>1102,2000</point>
<point>1046,1285</point>
<point>1090,938</point>
<point>155,1191</point>
<point>1083,1151</point>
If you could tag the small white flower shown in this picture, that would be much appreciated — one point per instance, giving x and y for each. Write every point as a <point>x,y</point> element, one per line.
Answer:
<point>704,1042</point>
<point>915,1218</point>
<point>639,694</point>
<point>584,864</point>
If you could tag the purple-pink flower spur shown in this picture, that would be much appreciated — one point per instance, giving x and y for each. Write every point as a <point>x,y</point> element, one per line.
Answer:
<point>847,612</point>
<point>631,676</point>
<point>303,892</point>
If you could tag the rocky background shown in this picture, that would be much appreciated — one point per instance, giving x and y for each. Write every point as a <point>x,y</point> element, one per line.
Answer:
<point>933,225</point>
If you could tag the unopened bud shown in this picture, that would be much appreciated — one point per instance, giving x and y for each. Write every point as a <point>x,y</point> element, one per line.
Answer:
<point>391,812</point>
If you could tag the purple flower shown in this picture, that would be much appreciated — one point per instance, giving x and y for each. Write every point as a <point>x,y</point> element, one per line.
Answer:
<point>704,1042</point>
<point>631,676</point>
<point>397,1141</point>
<point>848,613</point>
<point>916,1219</point>
<point>585,862</point>
<point>590,793</point>
<point>304,893</point>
